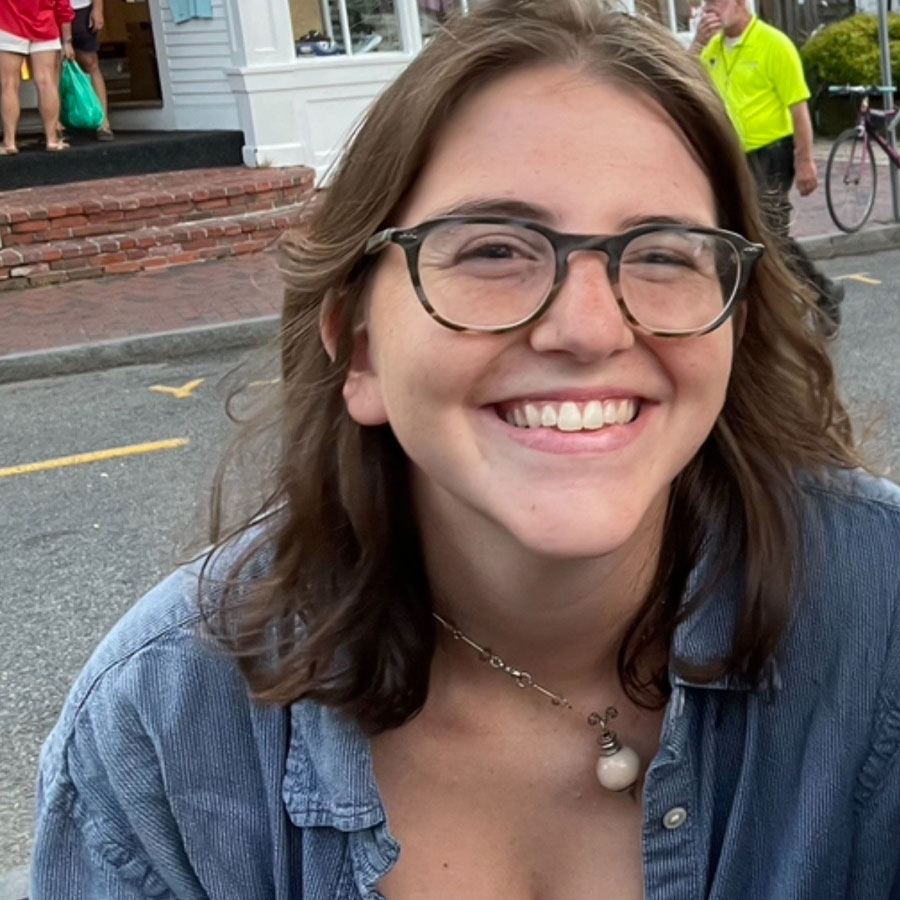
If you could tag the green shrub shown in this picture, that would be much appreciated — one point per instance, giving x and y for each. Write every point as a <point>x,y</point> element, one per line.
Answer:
<point>847,52</point>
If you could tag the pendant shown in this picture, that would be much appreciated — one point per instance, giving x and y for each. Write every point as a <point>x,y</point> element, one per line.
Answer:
<point>619,765</point>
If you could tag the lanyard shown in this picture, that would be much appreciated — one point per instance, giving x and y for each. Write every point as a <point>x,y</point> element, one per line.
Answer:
<point>737,53</point>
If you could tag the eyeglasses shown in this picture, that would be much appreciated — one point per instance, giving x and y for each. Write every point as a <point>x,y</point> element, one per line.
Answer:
<point>493,273</point>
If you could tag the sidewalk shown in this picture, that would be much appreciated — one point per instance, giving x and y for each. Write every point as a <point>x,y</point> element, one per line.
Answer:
<point>118,320</point>
<point>811,214</point>
<point>235,301</point>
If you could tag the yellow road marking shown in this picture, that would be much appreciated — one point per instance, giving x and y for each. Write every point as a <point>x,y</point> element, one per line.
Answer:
<point>179,392</point>
<point>861,277</point>
<point>94,456</point>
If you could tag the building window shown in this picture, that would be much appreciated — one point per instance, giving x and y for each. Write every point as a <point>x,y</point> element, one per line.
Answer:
<point>433,12</point>
<point>345,27</point>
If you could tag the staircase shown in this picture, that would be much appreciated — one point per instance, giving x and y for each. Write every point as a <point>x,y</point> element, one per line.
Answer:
<point>131,224</point>
<point>131,153</point>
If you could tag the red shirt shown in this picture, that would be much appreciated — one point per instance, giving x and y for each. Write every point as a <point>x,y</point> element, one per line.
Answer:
<point>35,20</point>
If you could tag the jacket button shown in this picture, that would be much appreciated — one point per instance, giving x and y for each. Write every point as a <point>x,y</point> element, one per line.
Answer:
<point>675,818</point>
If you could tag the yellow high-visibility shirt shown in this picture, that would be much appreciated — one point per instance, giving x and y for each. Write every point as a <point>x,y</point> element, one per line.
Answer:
<point>760,78</point>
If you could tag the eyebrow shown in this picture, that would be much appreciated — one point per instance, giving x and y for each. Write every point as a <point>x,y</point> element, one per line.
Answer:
<point>497,206</point>
<point>520,209</point>
<point>688,221</point>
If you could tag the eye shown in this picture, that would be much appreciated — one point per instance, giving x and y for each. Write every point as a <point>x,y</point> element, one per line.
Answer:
<point>671,252</point>
<point>661,257</point>
<point>496,248</point>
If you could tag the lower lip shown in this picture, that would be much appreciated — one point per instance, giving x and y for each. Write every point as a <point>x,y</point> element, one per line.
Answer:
<point>603,440</point>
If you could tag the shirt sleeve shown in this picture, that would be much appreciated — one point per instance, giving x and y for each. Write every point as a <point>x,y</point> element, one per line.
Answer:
<point>98,821</point>
<point>153,784</point>
<point>64,12</point>
<point>785,69</point>
<point>105,828</point>
<point>877,834</point>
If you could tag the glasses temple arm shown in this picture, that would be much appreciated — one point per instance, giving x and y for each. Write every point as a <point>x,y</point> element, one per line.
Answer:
<point>380,240</point>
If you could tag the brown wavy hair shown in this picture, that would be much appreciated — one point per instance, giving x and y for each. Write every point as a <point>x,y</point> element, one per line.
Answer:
<point>340,610</point>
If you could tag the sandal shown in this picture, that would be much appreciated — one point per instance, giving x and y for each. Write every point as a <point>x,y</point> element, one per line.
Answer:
<point>57,148</point>
<point>8,151</point>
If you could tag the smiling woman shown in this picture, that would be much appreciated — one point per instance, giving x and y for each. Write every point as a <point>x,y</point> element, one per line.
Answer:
<point>553,409</point>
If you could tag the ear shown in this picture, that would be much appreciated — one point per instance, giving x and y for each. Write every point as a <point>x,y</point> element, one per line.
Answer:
<point>362,385</point>
<point>330,325</point>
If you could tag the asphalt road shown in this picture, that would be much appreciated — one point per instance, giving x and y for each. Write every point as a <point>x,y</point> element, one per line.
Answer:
<point>81,542</point>
<point>867,353</point>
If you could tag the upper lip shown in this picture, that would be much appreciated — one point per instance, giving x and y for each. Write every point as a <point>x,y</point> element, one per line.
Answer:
<point>577,395</point>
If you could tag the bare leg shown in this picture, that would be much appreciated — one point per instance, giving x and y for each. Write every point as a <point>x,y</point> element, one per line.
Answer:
<point>90,62</point>
<point>60,131</point>
<point>43,67</point>
<point>10,81</point>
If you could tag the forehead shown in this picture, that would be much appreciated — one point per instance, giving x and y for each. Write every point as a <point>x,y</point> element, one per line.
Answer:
<point>590,151</point>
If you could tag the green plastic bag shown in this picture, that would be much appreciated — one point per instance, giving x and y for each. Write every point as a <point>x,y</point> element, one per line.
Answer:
<point>79,105</point>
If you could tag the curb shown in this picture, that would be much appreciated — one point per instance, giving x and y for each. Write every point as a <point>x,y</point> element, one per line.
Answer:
<point>145,348</point>
<point>14,884</point>
<point>829,246</point>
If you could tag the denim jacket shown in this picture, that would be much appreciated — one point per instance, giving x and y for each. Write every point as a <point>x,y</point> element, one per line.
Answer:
<point>162,779</point>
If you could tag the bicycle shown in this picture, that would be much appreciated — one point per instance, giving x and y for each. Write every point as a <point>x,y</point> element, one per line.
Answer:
<point>851,176</point>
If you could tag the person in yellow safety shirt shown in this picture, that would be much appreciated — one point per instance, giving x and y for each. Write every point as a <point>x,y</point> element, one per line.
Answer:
<point>757,71</point>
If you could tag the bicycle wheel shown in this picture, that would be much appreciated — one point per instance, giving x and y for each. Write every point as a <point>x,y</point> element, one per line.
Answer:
<point>850,181</point>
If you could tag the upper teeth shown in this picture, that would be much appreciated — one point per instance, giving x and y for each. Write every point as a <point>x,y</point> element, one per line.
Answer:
<point>571,416</point>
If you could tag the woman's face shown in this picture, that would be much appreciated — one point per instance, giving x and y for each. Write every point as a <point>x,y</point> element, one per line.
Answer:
<point>588,158</point>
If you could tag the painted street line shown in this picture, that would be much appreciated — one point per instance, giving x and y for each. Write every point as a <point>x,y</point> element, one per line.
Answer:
<point>94,456</point>
<point>179,393</point>
<point>861,277</point>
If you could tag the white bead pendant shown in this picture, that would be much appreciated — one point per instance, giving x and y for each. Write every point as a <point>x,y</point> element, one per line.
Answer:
<point>619,766</point>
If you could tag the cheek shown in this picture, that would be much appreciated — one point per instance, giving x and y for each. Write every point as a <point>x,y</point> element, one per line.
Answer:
<point>701,369</point>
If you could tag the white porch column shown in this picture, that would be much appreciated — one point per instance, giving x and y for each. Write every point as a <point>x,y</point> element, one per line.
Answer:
<point>301,114</point>
<point>261,32</point>
<point>299,111</point>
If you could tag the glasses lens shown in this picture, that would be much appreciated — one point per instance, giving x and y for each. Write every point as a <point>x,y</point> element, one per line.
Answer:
<point>483,275</point>
<point>678,280</point>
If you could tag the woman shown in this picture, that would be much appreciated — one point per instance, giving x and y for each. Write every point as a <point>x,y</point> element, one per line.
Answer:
<point>32,29</point>
<point>565,406</point>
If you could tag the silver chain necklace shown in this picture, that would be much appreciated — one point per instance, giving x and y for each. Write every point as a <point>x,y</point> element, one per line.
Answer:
<point>619,765</point>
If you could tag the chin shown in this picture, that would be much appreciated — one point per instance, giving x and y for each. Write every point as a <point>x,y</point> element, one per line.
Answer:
<point>576,536</point>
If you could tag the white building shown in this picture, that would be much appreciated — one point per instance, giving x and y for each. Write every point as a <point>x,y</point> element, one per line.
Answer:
<point>245,66</point>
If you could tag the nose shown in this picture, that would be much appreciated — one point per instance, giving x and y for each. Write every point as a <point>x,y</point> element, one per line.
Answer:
<point>584,319</point>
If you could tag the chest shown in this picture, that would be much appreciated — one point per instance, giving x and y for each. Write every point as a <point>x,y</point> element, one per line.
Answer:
<point>741,74</point>
<point>496,819</point>
<point>485,846</point>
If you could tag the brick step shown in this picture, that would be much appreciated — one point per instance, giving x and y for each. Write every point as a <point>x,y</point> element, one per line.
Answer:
<point>144,249</point>
<point>134,203</point>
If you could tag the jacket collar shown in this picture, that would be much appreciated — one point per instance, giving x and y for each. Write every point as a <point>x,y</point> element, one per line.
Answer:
<point>329,778</point>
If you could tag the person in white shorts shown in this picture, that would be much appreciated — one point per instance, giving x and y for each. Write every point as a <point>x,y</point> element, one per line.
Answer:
<point>32,29</point>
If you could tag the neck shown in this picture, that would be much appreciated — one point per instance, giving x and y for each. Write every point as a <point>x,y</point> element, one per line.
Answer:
<point>562,620</point>
<point>736,28</point>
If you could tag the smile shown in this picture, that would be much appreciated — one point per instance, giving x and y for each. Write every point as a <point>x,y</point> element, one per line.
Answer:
<point>569,415</point>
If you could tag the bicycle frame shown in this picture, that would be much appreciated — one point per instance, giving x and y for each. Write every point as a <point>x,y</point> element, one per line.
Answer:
<point>869,126</point>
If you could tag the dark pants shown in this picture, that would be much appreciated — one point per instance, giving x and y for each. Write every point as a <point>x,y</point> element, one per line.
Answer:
<point>773,166</point>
